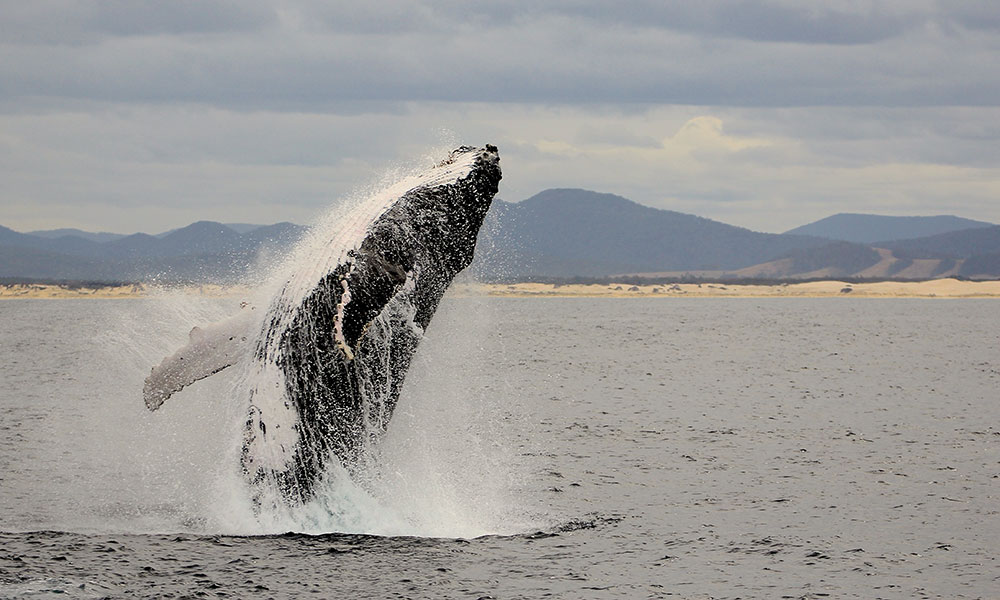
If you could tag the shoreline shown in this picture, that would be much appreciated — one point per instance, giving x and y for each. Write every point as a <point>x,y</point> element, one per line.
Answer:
<point>936,288</point>
<point>40,291</point>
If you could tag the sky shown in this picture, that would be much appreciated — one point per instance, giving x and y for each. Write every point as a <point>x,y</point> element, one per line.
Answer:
<point>127,116</point>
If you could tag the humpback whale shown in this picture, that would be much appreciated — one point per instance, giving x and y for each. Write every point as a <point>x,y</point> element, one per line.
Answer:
<point>324,363</point>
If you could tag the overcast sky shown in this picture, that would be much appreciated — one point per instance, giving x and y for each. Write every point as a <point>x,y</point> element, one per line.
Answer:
<point>127,116</point>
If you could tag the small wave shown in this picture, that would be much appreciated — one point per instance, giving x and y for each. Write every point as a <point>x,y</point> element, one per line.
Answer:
<point>57,587</point>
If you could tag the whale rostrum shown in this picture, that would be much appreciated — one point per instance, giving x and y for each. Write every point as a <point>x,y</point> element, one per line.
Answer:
<point>325,361</point>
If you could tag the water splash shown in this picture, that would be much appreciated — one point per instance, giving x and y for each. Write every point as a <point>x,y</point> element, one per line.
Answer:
<point>95,460</point>
<point>365,496</point>
<point>444,468</point>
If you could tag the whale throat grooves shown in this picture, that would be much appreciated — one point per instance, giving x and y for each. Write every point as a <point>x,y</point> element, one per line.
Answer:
<point>343,350</point>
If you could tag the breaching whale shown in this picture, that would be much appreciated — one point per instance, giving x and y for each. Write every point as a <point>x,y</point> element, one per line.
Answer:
<point>325,361</point>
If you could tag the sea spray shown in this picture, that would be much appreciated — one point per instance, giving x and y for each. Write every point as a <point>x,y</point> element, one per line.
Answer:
<point>340,499</point>
<point>442,468</point>
<point>138,472</point>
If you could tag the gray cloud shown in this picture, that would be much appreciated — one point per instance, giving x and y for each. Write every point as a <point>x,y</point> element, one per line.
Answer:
<point>302,56</point>
<point>80,22</point>
<point>974,14</point>
<point>821,23</point>
<point>158,167</point>
<point>115,115</point>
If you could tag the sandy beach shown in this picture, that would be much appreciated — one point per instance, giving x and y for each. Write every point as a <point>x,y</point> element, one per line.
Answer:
<point>63,291</point>
<point>937,288</point>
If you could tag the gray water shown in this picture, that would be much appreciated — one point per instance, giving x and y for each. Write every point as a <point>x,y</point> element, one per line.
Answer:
<point>561,448</point>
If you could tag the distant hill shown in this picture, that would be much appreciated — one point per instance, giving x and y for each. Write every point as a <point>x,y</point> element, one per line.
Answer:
<point>956,244</point>
<point>868,229</point>
<point>973,253</point>
<point>982,266</point>
<point>573,232</point>
<point>556,234</point>
<point>566,233</point>
<point>201,252</point>
<point>839,259</point>
<point>37,263</point>
<point>102,236</point>
<point>243,227</point>
<point>237,227</point>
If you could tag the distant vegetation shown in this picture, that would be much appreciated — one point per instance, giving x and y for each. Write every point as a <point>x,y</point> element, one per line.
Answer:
<point>557,236</point>
<point>68,284</point>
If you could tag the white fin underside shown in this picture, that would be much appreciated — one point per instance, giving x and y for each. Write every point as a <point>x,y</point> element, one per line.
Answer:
<point>209,350</point>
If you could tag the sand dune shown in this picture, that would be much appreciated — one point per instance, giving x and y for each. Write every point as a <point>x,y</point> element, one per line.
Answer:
<point>56,292</point>
<point>937,288</point>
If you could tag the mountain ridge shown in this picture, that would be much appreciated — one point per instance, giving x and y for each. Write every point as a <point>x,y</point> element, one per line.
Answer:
<point>864,228</point>
<point>559,233</point>
<point>557,230</point>
<point>203,251</point>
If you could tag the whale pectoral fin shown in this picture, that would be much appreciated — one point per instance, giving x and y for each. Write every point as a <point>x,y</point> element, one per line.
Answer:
<point>378,269</point>
<point>208,351</point>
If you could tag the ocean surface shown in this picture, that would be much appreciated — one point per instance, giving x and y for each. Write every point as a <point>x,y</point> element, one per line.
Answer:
<point>542,448</point>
